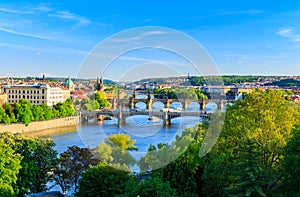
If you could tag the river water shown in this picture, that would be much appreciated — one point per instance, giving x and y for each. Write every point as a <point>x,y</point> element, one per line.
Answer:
<point>144,131</point>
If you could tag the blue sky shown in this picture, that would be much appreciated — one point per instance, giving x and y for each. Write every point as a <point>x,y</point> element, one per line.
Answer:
<point>242,37</point>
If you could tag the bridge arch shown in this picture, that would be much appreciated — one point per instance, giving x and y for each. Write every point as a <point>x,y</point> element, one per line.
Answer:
<point>176,104</point>
<point>140,105</point>
<point>193,106</point>
<point>158,105</point>
<point>211,106</point>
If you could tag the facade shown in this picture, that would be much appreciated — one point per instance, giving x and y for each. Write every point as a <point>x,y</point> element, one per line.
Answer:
<point>36,94</point>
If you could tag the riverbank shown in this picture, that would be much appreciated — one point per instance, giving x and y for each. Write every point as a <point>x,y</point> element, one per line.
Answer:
<point>43,128</point>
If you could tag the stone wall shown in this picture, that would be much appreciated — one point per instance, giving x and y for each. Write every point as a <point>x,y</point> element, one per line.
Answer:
<point>41,125</point>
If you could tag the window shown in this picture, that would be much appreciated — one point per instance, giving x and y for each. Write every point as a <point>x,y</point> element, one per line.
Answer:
<point>8,91</point>
<point>30,91</point>
<point>12,96</point>
<point>43,91</point>
<point>9,96</point>
<point>24,92</point>
<point>23,96</point>
<point>27,96</point>
<point>34,92</point>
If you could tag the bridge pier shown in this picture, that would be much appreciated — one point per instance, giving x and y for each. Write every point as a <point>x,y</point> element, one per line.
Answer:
<point>149,103</point>
<point>185,104</point>
<point>166,119</point>
<point>121,119</point>
<point>202,105</point>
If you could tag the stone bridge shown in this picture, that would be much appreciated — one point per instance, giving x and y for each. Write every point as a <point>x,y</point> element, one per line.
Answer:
<point>123,115</point>
<point>130,103</point>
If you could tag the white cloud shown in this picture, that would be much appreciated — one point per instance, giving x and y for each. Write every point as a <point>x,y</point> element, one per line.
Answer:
<point>43,8</point>
<point>285,32</point>
<point>138,37</point>
<point>11,11</point>
<point>242,12</point>
<point>289,33</point>
<point>24,34</point>
<point>68,16</point>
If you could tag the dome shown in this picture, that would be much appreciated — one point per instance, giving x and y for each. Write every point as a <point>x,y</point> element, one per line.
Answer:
<point>69,82</point>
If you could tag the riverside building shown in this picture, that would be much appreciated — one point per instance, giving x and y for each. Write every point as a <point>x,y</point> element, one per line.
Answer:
<point>37,94</point>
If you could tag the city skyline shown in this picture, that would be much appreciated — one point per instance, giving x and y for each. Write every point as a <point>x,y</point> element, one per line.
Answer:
<point>244,38</point>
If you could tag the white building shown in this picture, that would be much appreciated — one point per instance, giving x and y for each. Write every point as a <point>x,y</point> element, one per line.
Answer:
<point>36,94</point>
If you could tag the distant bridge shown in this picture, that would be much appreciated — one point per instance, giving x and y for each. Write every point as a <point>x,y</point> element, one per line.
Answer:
<point>123,115</point>
<point>129,103</point>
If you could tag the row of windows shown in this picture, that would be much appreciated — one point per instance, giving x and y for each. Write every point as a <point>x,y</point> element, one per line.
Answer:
<point>55,93</point>
<point>34,102</point>
<point>25,91</point>
<point>55,97</point>
<point>26,97</point>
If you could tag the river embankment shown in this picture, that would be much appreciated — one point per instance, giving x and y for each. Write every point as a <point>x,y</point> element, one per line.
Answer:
<point>43,128</point>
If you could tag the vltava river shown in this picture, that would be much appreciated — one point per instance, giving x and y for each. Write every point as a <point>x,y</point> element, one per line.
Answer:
<point>144,131</point>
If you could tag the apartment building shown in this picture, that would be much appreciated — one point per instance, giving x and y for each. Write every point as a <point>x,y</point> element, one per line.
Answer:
<point>36,94</point>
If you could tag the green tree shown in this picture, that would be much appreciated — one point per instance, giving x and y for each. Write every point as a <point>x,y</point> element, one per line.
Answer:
<point>47,112</point>
<point>114,150</point>
<point>178,163</point>
<point>102,180</point>
<point>100,98</point>
<point>291,183</point>
<point>9,166</point>
<point>71,164</point>
<point>9,111</point>
<point>38,159</point>
<point>23,111</point>
<point>38,113</point>
<point>248,180</point>
<point>263,116</point>
<point>69,106</point>
<point>152,187</point>
<point>4,118</point>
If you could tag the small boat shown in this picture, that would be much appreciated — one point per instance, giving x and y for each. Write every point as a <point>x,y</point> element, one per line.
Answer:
<point>153,118</point>
<point>108,118</point>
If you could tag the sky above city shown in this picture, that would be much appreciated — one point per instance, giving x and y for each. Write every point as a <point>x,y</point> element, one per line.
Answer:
<point>55,38</point>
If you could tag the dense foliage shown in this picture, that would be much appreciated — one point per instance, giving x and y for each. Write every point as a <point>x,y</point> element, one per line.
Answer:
<point>286,83</point>
<point>102,180</point>
<point>27,163</point>
<point>115,151</point>
<point>179,93</point>
<point>71,164</point>
<point>249,154</point>
<point>25,112</point>
<point>96,101</point>
<point>257,154</point>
